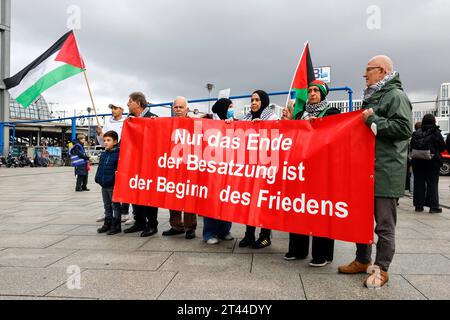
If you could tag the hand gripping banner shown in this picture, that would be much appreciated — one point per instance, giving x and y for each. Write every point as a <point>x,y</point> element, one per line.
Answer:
<point>294,176</point>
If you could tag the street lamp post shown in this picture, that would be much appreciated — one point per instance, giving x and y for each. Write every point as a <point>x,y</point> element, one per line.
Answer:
<point>210,88</point>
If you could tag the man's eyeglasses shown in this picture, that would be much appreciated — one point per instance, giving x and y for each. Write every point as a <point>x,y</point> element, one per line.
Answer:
<point>373,68</point>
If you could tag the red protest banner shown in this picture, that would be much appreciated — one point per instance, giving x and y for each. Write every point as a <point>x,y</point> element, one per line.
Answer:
<point>294,176</point>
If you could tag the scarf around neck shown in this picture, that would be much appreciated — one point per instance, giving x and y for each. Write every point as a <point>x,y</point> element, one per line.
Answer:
<point>314,110</point>
<point>371,90</point>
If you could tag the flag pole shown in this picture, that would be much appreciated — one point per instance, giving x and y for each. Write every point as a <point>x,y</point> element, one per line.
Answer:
<point>296,70</point>
<point>87,82</point>
<point>92,97</point>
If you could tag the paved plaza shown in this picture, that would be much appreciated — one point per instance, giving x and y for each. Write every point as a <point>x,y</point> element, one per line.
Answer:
<point>47,231</point>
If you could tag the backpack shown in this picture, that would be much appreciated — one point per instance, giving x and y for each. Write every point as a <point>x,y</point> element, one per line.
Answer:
<point>422,145</point>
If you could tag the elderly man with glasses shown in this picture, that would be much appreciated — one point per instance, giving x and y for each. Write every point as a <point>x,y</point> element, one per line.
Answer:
<point>388,112</point>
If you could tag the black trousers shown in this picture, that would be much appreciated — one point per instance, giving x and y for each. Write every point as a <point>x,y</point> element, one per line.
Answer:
<point>124,208</point>
<point>146,216</point>
<point>250,232</point>
<point>426,183</point>
<point>81,183</point>
<point>322,248</point>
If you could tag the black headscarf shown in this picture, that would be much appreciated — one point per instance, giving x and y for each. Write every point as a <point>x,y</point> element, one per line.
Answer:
<point>221,108</point>
<point>265,102</point>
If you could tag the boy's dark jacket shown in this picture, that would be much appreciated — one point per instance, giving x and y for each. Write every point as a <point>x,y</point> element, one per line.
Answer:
<point>106,173</point>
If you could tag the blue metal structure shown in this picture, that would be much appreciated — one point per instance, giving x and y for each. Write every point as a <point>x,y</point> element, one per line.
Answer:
<point>166,104</point>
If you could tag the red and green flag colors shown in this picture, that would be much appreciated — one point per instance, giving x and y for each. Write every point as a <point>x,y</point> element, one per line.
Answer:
<point>61,61</point>
<point>304,75</point>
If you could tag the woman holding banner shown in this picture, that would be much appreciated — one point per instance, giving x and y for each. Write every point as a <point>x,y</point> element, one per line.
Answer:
<point>214,229</point>
<point>322,248</point>
<point>259,111</point>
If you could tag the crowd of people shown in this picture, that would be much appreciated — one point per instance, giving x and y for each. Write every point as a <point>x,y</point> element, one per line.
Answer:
<point>387,112</point>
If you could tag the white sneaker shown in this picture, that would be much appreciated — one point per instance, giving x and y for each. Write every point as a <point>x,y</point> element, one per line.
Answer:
<point>212,241</point>
<point>228,237</point>
<point>130,219</point>
<point>124,218</point>
<point>100,219</point>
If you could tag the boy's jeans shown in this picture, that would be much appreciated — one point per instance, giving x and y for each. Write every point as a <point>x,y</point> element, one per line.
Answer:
<point>112,209</point>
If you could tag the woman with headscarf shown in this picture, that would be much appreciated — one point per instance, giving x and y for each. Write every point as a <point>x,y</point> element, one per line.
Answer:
<point>322,248</point>
<point>427,144</point>
<point>213,229</point>
<point>260,110</point>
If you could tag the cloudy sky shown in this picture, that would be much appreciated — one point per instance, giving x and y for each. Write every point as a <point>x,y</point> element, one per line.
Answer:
<point>170,48</point>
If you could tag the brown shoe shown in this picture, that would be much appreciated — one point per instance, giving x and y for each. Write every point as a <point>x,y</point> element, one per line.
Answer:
<point>377,279</point>
<point>354,267</point>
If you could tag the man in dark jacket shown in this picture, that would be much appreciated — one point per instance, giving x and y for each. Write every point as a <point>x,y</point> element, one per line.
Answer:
<point>146,219</point>
<point>106,177</point>
<point>389,115</point>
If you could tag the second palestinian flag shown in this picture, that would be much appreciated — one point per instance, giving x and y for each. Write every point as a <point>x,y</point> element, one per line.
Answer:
<point>304,75</point>
<point>58,63</point>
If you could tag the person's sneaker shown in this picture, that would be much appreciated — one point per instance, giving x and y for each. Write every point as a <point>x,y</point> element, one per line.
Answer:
<point>318,263</point>
<point>190,235</point>
<point>354,268</point>
<point>419,209</point>
<point>262,243</point>
<point>172,232</point>
<point>100,219</point>
<point>246,242</point>
<point>228,237</point>
<point>212,241</point>
<point>377,278</point>
<point>436,210</point>
<point>124,218</point>
<point>104,229</point>
<point>291,257</point>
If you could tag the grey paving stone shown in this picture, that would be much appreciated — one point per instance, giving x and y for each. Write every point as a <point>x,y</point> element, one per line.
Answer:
<point>208,262</point>
<point>351,287</point>
<point>29,241</point>
<point>35,258</point>
<point>113,284</point>
<point>409,233</point>
<point>53,229</point>
<point>16,228</point>
<point>433,264</point>
<point>242,286</point>
<point>74,218</point>
<point>100,243</point>
<point>29,220</point>
<point>422,246</point>
<point>435,287</point>
<point>123,260</point>
<point>85,230</point>
<point>30,281</point>
<point>180,244</point>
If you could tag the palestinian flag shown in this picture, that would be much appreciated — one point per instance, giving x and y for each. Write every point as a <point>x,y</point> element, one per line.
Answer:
<point>58,63</point>
<point>304,75</point>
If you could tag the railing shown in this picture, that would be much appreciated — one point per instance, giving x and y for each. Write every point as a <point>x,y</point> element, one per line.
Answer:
<point>73,120</point>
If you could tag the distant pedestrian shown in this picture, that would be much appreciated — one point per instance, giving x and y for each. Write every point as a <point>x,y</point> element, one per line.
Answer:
<point>427,144</point>
<point>80,161</point>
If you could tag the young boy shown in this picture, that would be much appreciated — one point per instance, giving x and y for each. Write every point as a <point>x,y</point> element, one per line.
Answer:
<point>105,177</point>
